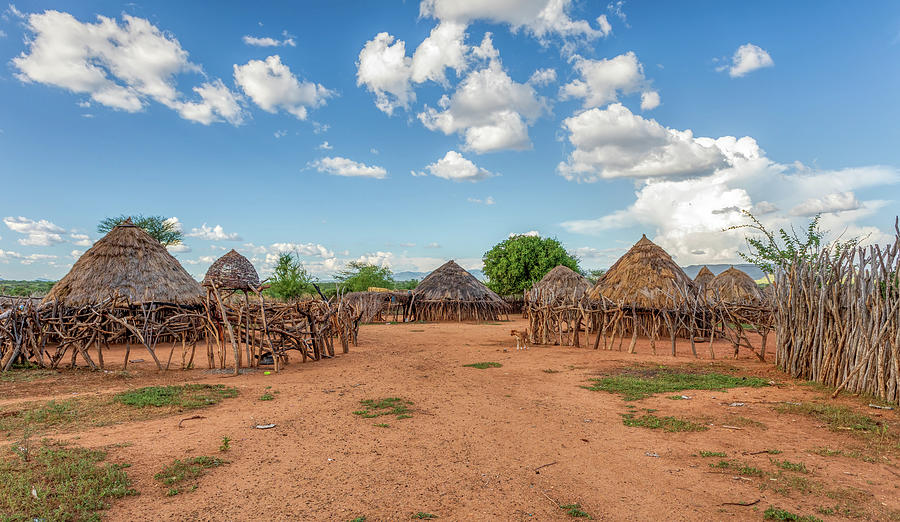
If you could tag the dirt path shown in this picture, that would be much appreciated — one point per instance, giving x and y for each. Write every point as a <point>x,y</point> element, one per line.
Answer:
<point>505,443</point>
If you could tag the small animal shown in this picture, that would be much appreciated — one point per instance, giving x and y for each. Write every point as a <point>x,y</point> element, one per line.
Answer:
<point>521,336</point>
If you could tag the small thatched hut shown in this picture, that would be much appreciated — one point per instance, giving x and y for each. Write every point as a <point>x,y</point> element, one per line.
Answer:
<point>704,277</point>
<point>645,278</point>
<point>735,287</point>
<point>451,293</point>
<point>562,285</point>
<point>126,263</point>
<point>232,272</point>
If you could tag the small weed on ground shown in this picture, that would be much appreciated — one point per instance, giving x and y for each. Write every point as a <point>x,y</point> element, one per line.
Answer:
<point>182,473</point>
<point>550,370</point>
<point>773,513</point>
<point>382,425</point>
<point>799,467</point>
<point>358,519</point>
<point>483,365</point>
<point>186,397</point>
<point>635,386</point>
<point>670,424</point>
<point>738,467</point>
<point>390,406</point>
<point>574,510</point>
<point>26,375</point>
<point>835,416</point>
<point>421,515</point>
<point>712,454</point>
<point>59,482</point>
<point>226,444</point>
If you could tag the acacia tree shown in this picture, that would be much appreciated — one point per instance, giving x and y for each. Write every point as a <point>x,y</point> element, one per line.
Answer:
<point>359,277</point>
<point>290,279</point>
<point>771,250</point>
<point>159,228</point>
<point>513,265</point>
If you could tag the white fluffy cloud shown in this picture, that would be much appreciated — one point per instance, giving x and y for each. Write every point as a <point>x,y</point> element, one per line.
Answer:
<point>118,65</point>
<point>338,166</point>
<point>384,69</point>
<point>82,240</point>
<point>489,109</point>
<point>478,201</point>
<point>325,146</point>
<point>747,59</point>
<point>272,86</point>
<point>178,249</point>
<point>542,77</point>
<point>303,249</point>
<point>444,48</point>
<point>602,80</point>
<point>455,167</point>
<point>267,41</point>
<point>530,233</point>
<point>37,233</point>
<point>649,100</point>
<point>835,202</point>
<point>613,142</point>
<point>216,233</point>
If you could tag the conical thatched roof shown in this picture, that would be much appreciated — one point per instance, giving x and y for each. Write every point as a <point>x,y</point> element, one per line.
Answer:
<point>704,277</point>
<point>130,264</point>
<point>734,286</point>
<point>560,285</point>
<point>232,272</point>
<point>645,277</point>
<point>450,282</point>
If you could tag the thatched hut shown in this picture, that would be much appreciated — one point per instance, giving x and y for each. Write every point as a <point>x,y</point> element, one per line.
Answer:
<point>735,287</point>
<point>451,293</point>
<point>129,264</point>
<point>232,272</point>
<point>645,278</point>
<point>562,285</point>
<point>703,278</point>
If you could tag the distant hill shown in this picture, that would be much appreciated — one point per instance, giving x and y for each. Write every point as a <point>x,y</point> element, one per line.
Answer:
<point>407,275</point>
<point>751,270</point>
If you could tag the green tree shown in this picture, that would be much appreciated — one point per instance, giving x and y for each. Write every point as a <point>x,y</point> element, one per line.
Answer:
<point>359,276</point>
<point>770,250</point>
<point>159,227</point>
<point>513,265</point>
<point>289,279</point>
<point>407,285</point>
<point>594,275</point>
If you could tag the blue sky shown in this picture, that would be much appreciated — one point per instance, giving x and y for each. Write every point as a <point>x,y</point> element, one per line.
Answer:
<point>320,128</point>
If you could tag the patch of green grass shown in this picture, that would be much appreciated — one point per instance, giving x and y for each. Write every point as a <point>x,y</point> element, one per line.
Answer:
<point>676,397</point>
<point>483,365</point>
<point>773,513</point>
<point>382,425</point>
<point>188,470</point>
<point>186,397</point>
<point>59,482</point>
<point>421,515</point>
<point>773,451</point>
<point>853,454</point>
<point>26,375</point>
<point>799,467</point>
<point>738,467</point>
<point>746,422</point>
<point>373,408</point>
<point>358,519</point>
<point>574,510</point>
<point>226,444</point>
<point>670,424</point>
<point>267,397</point>
<point>835,416</point>
<point>635,386</point>
<point>712,454</point>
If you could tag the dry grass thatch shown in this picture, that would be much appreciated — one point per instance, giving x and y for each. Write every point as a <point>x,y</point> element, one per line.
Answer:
<point>562,285</point>
<point>734,286</point>
<point>452,293</point>
<point>646,277</point>
<point>129,264</point>
<point>232,272</point>
<point>704,277</point>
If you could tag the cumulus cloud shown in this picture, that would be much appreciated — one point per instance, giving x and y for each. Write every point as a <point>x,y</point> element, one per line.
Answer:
<point>836,202</point>
<point>338,166</point>
<point>37,233</point>
<point>272,86</point>
<point>122,66</point>
<point>384,69</point>
<point>325,146</point>
<point>542,77</point>
<point>455,167</point>
<point>489,109</point>
<point>178,249</point>
<point>82,240</point>
<point>266,41</point>
<point>478,201</point>
<point>530,233</point>
<point>613,142</point>
<point>747,59</point>
<point>444,48</point>
<point>216,233</point>
<point>649,100</point>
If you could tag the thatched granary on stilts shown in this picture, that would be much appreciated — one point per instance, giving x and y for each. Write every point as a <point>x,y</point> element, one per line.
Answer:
<point>126,288</point>
<point>647,293</point>
<point>555,307</point>
<point>450,293</point>
<point>734,286</point>
<point>737,301</point>
<point>703,278</point>
<point>232,271</point>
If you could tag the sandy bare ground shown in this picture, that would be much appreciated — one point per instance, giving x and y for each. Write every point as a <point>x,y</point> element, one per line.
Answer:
<point>506,443</point>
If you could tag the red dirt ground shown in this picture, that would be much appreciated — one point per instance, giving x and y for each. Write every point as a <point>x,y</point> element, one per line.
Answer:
<point>475,442</point>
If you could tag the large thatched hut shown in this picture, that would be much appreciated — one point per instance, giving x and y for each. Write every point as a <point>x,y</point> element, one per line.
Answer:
<point>703,278</point>
<point>562,285</point>
<point>232,272</point>
<point>644,278</point>
<point>127,264</point>
<point>735,287</point>
<point>450,293</point>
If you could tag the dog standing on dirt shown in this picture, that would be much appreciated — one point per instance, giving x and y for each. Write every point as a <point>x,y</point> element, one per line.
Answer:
<point>521,336</point>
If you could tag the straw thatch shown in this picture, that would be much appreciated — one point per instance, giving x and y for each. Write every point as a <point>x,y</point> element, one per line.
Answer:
<point>562,285</point>
<point>734,286</point>
<point>646,278</point>
<point>232,272</point>
<point>704,277</point>
<point>129,264</point>
<point>452,293</point>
